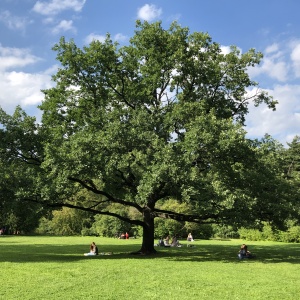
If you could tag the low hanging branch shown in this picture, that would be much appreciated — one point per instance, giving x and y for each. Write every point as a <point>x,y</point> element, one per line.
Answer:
<point>89,185</point>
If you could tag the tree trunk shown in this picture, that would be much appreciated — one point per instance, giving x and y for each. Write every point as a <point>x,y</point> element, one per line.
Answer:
<point>148,234</point>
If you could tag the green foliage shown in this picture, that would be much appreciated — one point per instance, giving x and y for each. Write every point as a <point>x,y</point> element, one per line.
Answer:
<point>205,232</point>
<point>250,234</point>
<point>291,167</point>
<point>109,226</point>
<point>292,159</point>
<point>224,231</point>
<point>20,158</point>
<point>169,227</point>
<point>292,235</point>
<point>267,233</point>
<point>64,222</point>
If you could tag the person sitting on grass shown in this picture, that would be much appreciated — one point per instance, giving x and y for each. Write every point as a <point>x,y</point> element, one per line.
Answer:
<point>175,242</point>
<point>161,242</point>
<point>244,253</point>
<point>190,238</point>
<point>166,242</point>
<point>93,250</point>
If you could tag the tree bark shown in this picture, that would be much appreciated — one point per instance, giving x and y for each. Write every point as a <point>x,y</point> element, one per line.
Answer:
<point>148,234</point>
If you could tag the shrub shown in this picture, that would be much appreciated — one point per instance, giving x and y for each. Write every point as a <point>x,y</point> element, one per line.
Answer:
<point>292,235</point>
<point>108,226</point>
<point>66,221</point>
<point>224,232</point>
<point>205,232</point>
<point>269,233</point>
<point>250,234</point>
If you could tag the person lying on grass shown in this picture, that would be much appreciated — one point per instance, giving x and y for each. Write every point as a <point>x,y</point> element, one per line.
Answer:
<point>93,250</point>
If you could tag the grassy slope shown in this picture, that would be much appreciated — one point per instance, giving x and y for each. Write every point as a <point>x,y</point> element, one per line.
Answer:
<point>55,268</point>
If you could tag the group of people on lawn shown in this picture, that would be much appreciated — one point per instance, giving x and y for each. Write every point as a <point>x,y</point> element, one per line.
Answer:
<point>244,253</point>
<point>124,236</point>
<point>174,242</point>
<point>167,243</point>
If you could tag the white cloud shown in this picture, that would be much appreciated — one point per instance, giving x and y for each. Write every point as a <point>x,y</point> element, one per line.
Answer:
<point>13,22</point>
<point>119,37</point>
<point>149,12</point>
<point>274,64</point>
<point>278,63</point>
<point>94,37</point>
<point>48,20</point>
<point>52,70</point>
<point>20,88</point>
<point>272,48</point>
<point>227,49</point>
<point>15,58</point>
<point>277,70</point>
<point>282,124</point>
<point>64,26</point>
<point>54,7</point>
<point>295,57</point>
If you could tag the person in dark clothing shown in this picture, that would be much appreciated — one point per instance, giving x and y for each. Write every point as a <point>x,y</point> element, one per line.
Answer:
<point>244,253</point>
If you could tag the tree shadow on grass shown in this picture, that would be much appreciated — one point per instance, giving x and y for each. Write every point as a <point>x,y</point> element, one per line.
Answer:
<point>285,253</point>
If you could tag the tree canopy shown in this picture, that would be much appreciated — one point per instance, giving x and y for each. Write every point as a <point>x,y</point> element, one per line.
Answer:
<point>160,118</point>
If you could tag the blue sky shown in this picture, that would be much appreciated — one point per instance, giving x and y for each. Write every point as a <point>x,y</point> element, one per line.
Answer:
<point>30,28</point>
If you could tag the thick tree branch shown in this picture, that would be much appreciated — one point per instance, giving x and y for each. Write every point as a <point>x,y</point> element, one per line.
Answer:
<point>87,209</point>
<point>91,187</point>
<point>204,219</point>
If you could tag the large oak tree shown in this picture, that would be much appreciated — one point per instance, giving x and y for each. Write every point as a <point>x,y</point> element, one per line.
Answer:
<point>157,119</point>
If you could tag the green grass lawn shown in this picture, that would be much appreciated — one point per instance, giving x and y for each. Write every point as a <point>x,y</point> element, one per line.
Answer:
<point>55,268</point>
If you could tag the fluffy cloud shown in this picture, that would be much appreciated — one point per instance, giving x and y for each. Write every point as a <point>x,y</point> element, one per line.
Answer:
<point>274,65</point>
<point>275,69</point>
<point>13,22</point>
<point>282,124</point>
<point>149,12</point>
<point>119,37</point>
<point>227,49</point>
<point>54,7</point>
<point>64,26</point>
<point>281,62</point>
<point>15,58</point>
<point>94,37</point>
<point>19,87</point>
<point>272,48</point>
<point>295,57</point>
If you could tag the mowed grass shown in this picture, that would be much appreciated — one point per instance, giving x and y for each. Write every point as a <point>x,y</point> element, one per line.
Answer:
<point>55,268</point>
